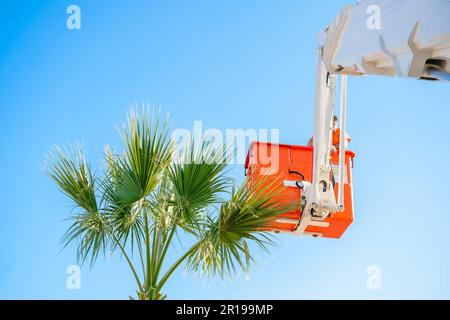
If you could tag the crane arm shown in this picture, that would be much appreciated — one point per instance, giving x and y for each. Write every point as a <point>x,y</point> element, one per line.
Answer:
<point>391,38</point>
<point>374,37</point>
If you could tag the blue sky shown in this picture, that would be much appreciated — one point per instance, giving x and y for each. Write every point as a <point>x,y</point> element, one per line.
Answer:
<point>230,64</point>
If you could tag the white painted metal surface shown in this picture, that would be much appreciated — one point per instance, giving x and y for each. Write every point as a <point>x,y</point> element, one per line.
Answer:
<point>342,142</point>
<point>405,38</point>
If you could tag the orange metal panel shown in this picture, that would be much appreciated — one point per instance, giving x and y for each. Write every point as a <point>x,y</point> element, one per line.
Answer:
<point>282,162</point>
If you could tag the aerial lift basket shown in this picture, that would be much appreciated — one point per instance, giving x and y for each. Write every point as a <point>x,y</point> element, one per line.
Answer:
<point>284,164</point>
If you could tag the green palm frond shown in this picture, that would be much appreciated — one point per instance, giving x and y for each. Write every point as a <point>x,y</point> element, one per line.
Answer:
<point>198,180</point>
<point>131,177</point>
<point>224,246</point>
<point>90,231</point>
<point>148,151</point>
<point>126,217</point>
<point>69,169</point>
<point>71,172</point>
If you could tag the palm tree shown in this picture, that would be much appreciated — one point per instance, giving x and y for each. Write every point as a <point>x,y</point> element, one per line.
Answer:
<point>145,197</point>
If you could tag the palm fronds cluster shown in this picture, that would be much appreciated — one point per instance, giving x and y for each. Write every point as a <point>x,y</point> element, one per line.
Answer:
<point>144,197</point>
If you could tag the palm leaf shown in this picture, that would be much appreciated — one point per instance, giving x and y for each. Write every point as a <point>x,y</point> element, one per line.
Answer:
<point>131,177</point>
<point>90,231</point>
<point>148,151</point>
<point>69,169</point>
<point>197,181</point>
<point>224,246</point>
<point>126,217</point>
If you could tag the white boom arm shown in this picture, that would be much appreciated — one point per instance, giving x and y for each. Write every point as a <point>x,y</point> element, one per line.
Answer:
<point>377,37</point>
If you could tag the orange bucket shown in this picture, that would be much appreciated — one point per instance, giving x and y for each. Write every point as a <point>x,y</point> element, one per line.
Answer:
<point>282,162</point>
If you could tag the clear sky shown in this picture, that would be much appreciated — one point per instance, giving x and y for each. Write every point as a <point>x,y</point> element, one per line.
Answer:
<point>231,64</point>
